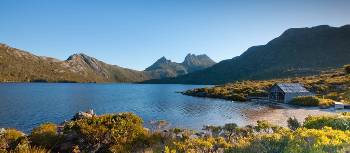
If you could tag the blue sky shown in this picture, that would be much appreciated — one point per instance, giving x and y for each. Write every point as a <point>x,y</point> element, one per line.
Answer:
<point>135,33</point>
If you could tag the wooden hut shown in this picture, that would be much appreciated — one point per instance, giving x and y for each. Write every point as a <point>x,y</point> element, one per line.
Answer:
<point>285,92</point>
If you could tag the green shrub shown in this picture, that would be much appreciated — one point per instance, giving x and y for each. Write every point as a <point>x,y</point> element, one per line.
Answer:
<point>9,139</point>
<point>45,135</point>
<point>312,140</point>
<point>326,103</point>
<point>300,141</point>
<point>347,69</point>
<point>319,122</point>
<point>30,149</point>
<point>265,143</point>
<point>12,134</point>
<point>107,133</point>
<point>258,93</point>
<point>306,101</point>
<point>345,114</point>
<point>237,97</point>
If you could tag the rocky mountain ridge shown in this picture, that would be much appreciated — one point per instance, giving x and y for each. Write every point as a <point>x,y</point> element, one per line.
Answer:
<point>165,68</point>
<point>297,52</point>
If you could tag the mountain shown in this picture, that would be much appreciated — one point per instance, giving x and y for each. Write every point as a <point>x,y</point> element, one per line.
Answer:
<point>194,62</point>
<point>21,66</point>
<point>297,52</point>
<point>86,65</point>
<point>164,68</point>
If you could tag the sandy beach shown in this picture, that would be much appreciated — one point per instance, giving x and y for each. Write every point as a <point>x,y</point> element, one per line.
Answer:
<point>278,113</point>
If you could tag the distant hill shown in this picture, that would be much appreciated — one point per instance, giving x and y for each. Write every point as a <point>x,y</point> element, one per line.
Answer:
<point>21,66</point>
<point>164,68</point>
<point>297,52</point>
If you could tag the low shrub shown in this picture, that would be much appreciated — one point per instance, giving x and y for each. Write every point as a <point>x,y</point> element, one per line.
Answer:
<point>300,141</point>
<point>12,134</point>
<point>306,101</point>
<point>107,133</point>
<point>258,93</point>
<point>345,114</point>
<point>30,149</point>
<point>312,140</point>
<point>312,101</point>
<point>124,132</point>
<point>237,97</point>
<point>9,139</point>
<point>44,135</point>
<point>326,103</point>
<point>347,68</point>
<point>336,122</point>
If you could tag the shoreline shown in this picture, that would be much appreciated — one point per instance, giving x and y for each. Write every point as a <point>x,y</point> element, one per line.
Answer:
<point>278,113</point>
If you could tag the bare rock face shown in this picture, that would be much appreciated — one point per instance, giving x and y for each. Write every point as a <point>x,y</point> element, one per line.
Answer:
<point>194,62</point>
<point>82,63</point>
<point>85,61</point>
<point>164,68</point>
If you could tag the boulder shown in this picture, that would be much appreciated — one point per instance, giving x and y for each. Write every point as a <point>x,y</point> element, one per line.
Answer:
<point>2,131</point>
<point>81,115</point>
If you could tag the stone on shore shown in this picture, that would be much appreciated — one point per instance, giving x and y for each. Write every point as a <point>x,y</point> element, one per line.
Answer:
<point>82,115</point>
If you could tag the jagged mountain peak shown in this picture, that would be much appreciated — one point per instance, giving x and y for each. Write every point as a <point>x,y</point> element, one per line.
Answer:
<point>83,59</point>
<point>191,63</point>
<point>163,60</point>
<point>190,58</point>
<point>79,56</point>
<point>197,62</point>
<point>159,63</point>
<point>189,55</point>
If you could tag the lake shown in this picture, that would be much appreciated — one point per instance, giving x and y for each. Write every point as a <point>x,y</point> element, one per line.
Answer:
<point>26,105</point>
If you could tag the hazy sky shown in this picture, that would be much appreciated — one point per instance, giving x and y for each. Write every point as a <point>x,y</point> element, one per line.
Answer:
<point>135,33</point>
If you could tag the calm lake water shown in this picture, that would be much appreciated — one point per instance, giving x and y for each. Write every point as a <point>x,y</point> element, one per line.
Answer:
<point>26,105</point>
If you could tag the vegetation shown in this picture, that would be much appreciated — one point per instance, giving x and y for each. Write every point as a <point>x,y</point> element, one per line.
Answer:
<point>124,132</point>
<point>306,101</point>
<point>333,85</point>
<point>293,123</point>
<point>238,91</point>
<point>336,122</point>
<point>347,68</point>
<point>108,133</point>
<point>45,135</point>
<point>312,101</point>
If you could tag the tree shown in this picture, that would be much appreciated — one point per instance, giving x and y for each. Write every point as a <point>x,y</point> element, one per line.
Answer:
<point>230,129</point>
<point>214,130</point>
<point>293,123</point>
<point>263,126</point>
